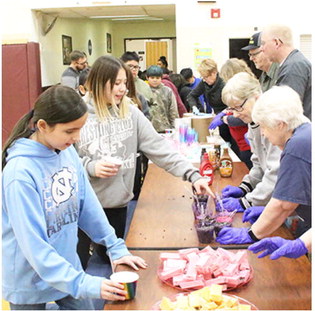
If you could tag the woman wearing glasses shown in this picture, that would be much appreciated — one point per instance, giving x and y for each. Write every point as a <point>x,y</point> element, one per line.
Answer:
<point>240,94</point>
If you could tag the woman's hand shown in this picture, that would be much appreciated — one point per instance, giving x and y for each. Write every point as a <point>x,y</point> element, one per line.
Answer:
<point>105,169</point>
<point>132,261</point>
<point>201,186</point>
<point>111,290</point>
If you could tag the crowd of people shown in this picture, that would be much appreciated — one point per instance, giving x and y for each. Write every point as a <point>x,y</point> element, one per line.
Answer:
<point>73,163</point>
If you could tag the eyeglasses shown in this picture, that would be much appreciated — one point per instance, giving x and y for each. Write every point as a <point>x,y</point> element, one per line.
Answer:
<point>238,108</point>
<point>134,67</point>
<point>254,54</point>
<point>83,63</point>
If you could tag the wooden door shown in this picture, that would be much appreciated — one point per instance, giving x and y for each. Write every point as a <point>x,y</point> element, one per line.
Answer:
<point>155,49</point>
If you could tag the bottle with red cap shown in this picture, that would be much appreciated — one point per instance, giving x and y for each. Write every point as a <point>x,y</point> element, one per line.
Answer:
<point>206,169</point>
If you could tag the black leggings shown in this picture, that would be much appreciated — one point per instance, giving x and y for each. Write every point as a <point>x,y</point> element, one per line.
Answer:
<point>117,218</point>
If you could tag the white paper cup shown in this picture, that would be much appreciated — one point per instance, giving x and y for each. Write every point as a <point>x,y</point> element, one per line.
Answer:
<point>113,160</point>
<point>129,280</point>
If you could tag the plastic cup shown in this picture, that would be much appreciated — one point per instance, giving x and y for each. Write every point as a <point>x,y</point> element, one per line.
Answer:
<point>204,232</point>
<point>129,280</point>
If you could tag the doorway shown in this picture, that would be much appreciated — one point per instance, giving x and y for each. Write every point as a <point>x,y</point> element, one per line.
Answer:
<point>235,51</point>
<point>150,50</point>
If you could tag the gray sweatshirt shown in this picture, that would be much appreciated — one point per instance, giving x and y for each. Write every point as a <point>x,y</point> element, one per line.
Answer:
<point>261,179</point>
<point>123,138</point>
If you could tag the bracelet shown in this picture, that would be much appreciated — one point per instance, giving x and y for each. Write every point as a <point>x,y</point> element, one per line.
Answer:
<point>252,235</point>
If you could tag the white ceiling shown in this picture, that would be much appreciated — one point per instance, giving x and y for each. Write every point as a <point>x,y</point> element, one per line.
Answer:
<point>154,12</point>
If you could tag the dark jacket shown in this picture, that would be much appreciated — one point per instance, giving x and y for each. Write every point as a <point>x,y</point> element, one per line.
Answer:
<point>212,94</point>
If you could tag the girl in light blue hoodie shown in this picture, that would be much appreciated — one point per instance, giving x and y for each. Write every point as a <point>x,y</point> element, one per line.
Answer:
<point>46,197</point>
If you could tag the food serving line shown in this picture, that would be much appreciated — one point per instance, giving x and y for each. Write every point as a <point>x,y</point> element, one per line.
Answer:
<point>164,222</point>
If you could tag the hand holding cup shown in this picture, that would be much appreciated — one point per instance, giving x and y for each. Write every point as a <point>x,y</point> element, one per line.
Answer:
<point>107,167</point>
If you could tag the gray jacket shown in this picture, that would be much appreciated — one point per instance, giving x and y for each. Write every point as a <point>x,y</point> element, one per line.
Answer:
<point>261,179</point>
<point>123,138</point>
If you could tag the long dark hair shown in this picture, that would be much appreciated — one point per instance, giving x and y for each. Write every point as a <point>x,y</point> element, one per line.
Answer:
<point>58,104</point>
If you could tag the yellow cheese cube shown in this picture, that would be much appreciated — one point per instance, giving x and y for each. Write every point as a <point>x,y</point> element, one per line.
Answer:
<point>166,304</point>
<point>215,292</point>
<point>244,307</point>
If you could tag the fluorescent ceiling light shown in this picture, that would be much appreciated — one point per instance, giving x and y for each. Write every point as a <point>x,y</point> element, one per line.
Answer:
<point>138,18</point>
<point>119,16</point>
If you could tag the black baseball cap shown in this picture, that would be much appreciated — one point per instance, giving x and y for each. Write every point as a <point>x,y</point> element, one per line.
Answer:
<point>253,43</point>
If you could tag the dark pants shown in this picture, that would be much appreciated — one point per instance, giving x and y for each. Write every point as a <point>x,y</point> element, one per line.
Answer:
<point>141,170</point>
<point>117,218</point>
<point>226,135</point>
<point>245,157</point>
<point>83,248</point>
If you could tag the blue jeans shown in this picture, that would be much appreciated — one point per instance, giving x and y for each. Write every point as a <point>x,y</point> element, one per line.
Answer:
<point>67,303</point>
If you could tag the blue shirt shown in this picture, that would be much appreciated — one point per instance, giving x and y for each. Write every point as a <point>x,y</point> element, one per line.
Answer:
<point>294,182</point>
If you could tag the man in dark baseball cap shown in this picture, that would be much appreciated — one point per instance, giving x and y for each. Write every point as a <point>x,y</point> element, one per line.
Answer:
<point>253,43</point>
<point>269,70</point>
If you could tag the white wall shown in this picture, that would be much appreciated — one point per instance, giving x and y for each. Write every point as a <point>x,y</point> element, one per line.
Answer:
<point>193,26</point>
<point>238,20</point>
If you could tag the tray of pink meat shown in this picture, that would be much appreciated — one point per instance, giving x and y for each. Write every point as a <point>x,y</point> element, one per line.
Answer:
<point>190,269</point>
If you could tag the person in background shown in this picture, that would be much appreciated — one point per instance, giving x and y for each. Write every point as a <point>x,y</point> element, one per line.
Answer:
<point>180,106</point>
<point>131,59</point>
<point>240,93</point>
<point>82,79</point>
<point>193,81</point>
<point>279,113</point>
<point>70,77</point>
<point>162,62</point>
<point>182,87</point>
<point>46,197</point>
<point>117,129</point>
<point>211,87</point>
<point>237,127</point>
<point>276,42</point>
<point>278,247</point>
<point>164,110</point>
<point>269,69</point>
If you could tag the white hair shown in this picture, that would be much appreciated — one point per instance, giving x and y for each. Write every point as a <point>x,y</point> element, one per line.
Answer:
<point>279,104</point>
<point>241,86</point>
<point>281,32</point>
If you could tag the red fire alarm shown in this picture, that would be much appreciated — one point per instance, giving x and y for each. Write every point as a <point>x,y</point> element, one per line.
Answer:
<point>215,13</point>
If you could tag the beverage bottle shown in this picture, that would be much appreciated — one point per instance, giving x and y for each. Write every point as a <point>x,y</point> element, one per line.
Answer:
<point>226,164</point>
<point>213,158</point>
<point>206,168</point>
<point>217,154</point>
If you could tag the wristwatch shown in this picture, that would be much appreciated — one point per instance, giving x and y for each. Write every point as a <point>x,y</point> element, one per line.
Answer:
<point>252,235</point>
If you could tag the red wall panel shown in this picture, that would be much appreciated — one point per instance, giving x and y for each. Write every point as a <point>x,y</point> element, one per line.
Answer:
<point>21,82</point>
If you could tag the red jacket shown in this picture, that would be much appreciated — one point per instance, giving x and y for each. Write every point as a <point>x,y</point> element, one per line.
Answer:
<point>180,106</point>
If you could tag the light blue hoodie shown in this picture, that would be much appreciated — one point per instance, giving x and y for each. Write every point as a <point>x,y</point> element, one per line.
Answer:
<point>46,196</point>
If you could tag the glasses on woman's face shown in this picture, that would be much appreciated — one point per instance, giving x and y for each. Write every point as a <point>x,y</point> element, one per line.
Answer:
<point>132,67</point>
<point>238,108</point>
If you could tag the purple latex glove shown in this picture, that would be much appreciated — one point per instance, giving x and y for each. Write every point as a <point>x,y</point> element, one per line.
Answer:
<point>232,191</point>
<point>230,235</point>
<point>278,247</point>
<point>246,138</point>
<point>232,204</point>
<point>251,214</point>
<point>217,121</point>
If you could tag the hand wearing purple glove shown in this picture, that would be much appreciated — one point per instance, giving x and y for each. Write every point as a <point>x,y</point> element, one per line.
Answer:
<point>251,214</point>
<point>232,204</point>
<point>230,235</point>
<point>217,121</point>
<point>232,191</point>
<point>278,247</point>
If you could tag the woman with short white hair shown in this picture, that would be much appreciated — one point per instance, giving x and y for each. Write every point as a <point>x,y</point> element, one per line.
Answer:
<point>279,113</point>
